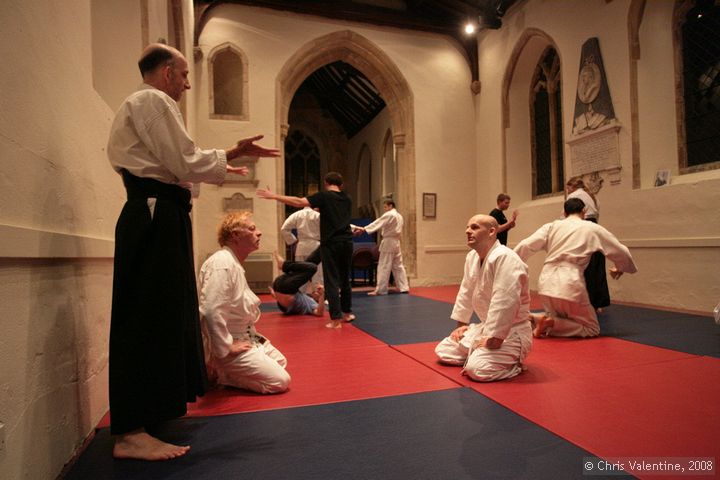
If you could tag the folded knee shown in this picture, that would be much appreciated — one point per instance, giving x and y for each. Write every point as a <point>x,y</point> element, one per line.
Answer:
<point>492,373</point>
<point>279,384</point>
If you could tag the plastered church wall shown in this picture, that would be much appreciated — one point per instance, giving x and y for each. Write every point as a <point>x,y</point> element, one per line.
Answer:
<point>673,231</point>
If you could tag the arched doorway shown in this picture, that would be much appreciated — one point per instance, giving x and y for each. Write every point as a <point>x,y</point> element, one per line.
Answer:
<point>349,47</point>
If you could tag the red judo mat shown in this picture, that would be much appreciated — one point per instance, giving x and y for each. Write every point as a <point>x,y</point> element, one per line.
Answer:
<point>611,397</point>
<point>326,366</point>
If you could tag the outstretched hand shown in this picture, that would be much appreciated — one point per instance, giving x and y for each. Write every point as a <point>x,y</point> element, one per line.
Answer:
<point>265,193</point>
<point>615,273</point>
<point>247,147</point>
<point>239,170</point>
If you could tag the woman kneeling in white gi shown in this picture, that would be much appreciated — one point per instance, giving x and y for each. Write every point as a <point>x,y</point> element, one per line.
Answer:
<point>238,355</point>
<point>495,286</point>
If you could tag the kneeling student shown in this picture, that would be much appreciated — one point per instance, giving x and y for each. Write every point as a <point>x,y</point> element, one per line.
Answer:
<point>238,355</point>
<point>495,287</point>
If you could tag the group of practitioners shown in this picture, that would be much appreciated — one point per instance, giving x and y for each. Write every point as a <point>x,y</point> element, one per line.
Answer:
<point>160,318</point>
<point>166,334</point>
<point>495,286</point>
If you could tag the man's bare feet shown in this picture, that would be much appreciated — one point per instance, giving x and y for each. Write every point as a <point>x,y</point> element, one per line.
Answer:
<point>278,260</point>
<point>374,293</point>
<point>542,323</point>
<point>348,317</point>
<point>334,324</point>
<point>139,445</point>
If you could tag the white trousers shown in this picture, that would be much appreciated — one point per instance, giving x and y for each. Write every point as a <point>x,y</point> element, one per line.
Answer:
<point>484,364</point>
<point>391,262</point>
<point>572,319</point>
<point>260,369</point>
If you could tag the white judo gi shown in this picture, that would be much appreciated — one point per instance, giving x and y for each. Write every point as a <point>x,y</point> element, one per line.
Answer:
<point>307,224</point>
<point>229,310</point>
<point>390,225</point>
<point>497,291</point>
<point>569,244</point>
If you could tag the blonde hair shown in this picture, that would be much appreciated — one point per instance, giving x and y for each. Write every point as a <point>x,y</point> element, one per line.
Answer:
<point>231,223</point>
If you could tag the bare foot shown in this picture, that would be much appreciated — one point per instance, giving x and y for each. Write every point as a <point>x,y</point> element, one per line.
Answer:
<point>334,324</point>
<point>139,445</point>
<point>320,309</point>
<point>372,294</point>
<point>348,317</point>
<point>278,260</point>
<point>542,324</point>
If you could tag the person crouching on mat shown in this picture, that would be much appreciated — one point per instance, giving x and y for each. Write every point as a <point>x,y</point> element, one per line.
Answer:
<point>239,356</point>
<point>570,244</point>
<point>495,287</point>
<point>286,288</point>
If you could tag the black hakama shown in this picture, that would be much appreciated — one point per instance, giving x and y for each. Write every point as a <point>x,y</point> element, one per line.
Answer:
<point>156,354</point>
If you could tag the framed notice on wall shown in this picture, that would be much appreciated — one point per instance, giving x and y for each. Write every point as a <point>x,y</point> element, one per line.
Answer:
<point>429,205</point>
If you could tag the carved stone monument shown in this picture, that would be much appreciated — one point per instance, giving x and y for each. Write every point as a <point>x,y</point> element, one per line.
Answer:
<point>594,143</point>
<point>236,202</point>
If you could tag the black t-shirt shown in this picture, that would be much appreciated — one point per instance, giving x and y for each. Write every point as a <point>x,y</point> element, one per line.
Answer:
<point>335,213</point>
<point>498,215</point>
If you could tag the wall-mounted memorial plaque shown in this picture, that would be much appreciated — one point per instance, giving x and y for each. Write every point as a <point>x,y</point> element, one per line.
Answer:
<point>595,152</point>
<point>594,143</point>
<point>237,202</point>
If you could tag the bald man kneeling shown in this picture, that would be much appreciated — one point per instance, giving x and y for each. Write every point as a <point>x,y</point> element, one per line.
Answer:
<point>495,287</point>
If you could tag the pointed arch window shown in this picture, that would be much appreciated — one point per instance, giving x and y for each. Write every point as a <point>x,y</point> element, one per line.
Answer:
<point>546,121</point>
<point>698,27</point>
<point>302,165</point>
<point>228,78</point>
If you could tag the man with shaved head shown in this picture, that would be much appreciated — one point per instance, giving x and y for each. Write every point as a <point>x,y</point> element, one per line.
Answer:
<point>495,288</point>
<point>156,355</point>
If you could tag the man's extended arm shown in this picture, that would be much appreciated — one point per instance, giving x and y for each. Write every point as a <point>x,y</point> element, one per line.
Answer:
<point>298,202</point>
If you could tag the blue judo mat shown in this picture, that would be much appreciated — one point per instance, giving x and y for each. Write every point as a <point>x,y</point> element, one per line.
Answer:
<point>404,319</point>
<point>450,434</point>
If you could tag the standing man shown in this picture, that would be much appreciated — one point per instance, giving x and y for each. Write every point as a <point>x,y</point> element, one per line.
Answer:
<point>569,244</point>
<point>336,247</point>
<point>239,355</point>
<point>495,287</point>
<point>307,224</point>
<point>390,225</point>
<point>503,203</point>
<point>156,355</point>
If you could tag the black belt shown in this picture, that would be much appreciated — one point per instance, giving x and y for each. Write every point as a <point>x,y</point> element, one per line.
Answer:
<point>139,187</point>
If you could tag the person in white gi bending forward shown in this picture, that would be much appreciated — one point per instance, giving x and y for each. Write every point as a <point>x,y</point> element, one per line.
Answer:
<point>495,287</point>
<point>390,225</point>
<point>306,223</point>
<point>239,355</point>
<point>569,244</point>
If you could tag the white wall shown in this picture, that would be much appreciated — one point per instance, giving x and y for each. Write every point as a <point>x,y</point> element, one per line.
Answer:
<point>59,201</point>
<point>673,231</point>
<point>439,78</point>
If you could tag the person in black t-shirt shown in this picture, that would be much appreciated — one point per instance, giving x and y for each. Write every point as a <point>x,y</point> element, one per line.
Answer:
<point>336,246</point>
<point>503,202</point>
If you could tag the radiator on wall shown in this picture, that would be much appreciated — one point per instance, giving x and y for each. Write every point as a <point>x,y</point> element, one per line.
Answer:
<point>259,272</point>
